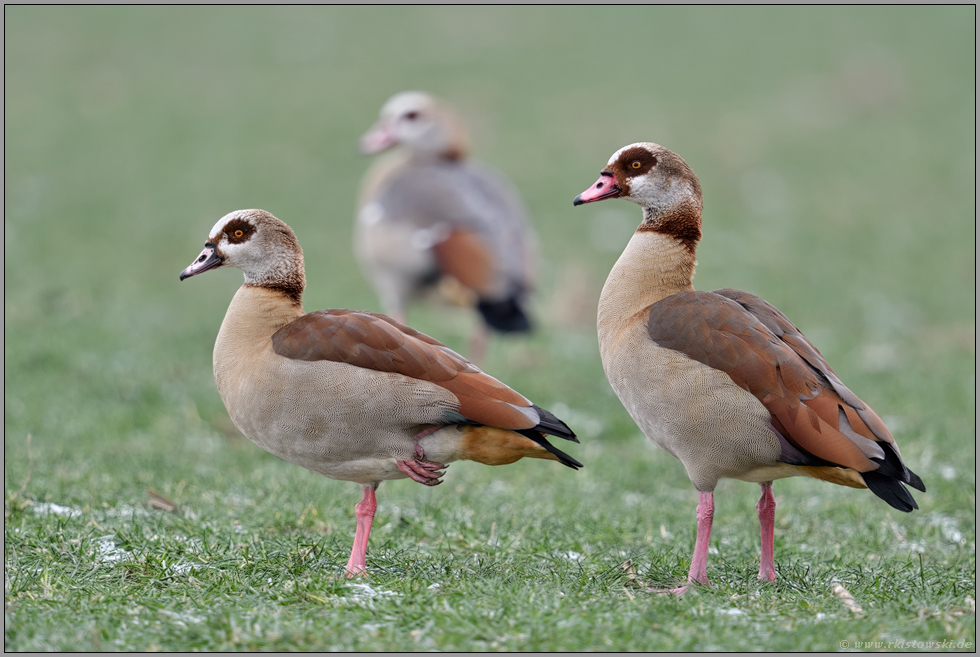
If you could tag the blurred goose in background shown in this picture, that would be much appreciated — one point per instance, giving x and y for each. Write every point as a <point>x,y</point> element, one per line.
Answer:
<point>722,380</point>
<point>353,395</point>
<point>430,218</point>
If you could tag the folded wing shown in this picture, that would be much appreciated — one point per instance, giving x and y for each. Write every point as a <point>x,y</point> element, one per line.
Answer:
<point>377,342</point>
<point>819,421</point>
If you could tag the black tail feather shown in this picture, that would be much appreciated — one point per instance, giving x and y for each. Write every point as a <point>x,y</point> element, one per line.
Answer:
<point>540,439</point>
<point>551,425</point>
<point>893,467</point>
<point>506,316</point>
<point>891,490</point>
<point>915,482</point>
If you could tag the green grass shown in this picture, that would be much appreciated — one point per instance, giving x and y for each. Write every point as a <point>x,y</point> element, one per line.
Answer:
<point>836,151</point>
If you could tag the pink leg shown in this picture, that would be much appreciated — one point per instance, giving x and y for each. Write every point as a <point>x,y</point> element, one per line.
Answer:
<point>767,518</point>
<point>419,469</point>
<point>364,512</point>
<point>699,562</point>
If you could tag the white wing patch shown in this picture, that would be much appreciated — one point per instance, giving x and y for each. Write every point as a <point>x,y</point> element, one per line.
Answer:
<point>426,238</point>
<point>371,214</point>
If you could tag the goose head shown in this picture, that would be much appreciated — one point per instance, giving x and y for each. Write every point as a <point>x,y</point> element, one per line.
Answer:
<point>657,179</point>
<point>263,247</point>
<point>420,124</point>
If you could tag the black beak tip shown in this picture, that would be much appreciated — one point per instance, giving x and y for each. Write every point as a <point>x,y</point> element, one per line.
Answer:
<point>578,201</point>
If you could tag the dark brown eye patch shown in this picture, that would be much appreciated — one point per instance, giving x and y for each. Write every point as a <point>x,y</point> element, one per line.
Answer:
<point>238,231</point>
<point>637,161</point>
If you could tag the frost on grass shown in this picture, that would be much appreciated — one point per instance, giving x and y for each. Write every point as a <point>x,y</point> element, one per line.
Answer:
<point>109,553</point>
<point>125,511</point>
<point>947,472</point>
<point>181,620</point>
<point>361,594</point>
<point>50,508</point>
<point>948,527</point>
<point>184,568</point>
<point>731,611</point>
<point>368,591</point>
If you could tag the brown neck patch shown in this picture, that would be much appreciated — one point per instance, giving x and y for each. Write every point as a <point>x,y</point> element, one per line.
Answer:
<point>290,286</point>
<point>454,153</point>
<point>682,223</point>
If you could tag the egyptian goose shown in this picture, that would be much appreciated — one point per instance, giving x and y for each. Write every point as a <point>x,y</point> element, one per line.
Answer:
<point>722,380</point>
<point>430,218</point>
<point>353,395</point>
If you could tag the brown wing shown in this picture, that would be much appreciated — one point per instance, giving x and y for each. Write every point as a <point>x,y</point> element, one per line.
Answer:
<point>867,422</point>
<point>465,256</point>
<point>377,342</point>
<point>766,354</point>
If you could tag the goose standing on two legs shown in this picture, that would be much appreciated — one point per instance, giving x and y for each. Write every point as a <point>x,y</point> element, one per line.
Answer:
<point>428,217</point>
<point>722,380</point>
<point>353,395</point>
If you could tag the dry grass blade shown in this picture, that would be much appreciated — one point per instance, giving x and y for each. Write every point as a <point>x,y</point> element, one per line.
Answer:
<point>848,599</point>
<point>160,503</point>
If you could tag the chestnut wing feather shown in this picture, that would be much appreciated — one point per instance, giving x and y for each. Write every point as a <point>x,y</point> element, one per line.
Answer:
<point>466,256</point>
<point>764,353</point>
<point>377,342</point>
<point>867,422</point>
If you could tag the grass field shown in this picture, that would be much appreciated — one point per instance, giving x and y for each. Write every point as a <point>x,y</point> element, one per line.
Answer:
<point>836,149</point>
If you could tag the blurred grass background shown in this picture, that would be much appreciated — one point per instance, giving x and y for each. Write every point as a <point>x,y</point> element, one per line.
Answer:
<point>836,150</point>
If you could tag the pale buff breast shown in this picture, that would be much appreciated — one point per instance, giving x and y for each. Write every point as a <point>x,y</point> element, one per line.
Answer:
<point>691,410</point>
<point>336,419</point>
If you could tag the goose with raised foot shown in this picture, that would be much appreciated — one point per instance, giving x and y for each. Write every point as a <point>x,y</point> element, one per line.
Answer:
<point>723,380</point>
<point>353,395</point>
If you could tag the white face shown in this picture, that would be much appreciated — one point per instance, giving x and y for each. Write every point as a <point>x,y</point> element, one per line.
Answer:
<point>655,191</point>
<point>238,234</point>
<point>658,187</point>
<point>263,247</point>
<point>414,119</point>
<point>226,246</point>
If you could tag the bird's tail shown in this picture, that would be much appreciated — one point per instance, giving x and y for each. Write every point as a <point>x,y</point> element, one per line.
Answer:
<point>506,315</point>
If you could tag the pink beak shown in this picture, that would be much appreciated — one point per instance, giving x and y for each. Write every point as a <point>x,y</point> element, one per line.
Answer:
<point>209,259</point>
<point>603,188</point>
<point>377,139</point>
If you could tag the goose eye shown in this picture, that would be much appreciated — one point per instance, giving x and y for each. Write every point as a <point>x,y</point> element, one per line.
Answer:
<point>636,164</point>
<point>239,233</point>
<point>411,116</point>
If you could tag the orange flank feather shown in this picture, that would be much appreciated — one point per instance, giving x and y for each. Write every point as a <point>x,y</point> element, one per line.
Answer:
<point>840,476</point>
<point>493,446</point>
